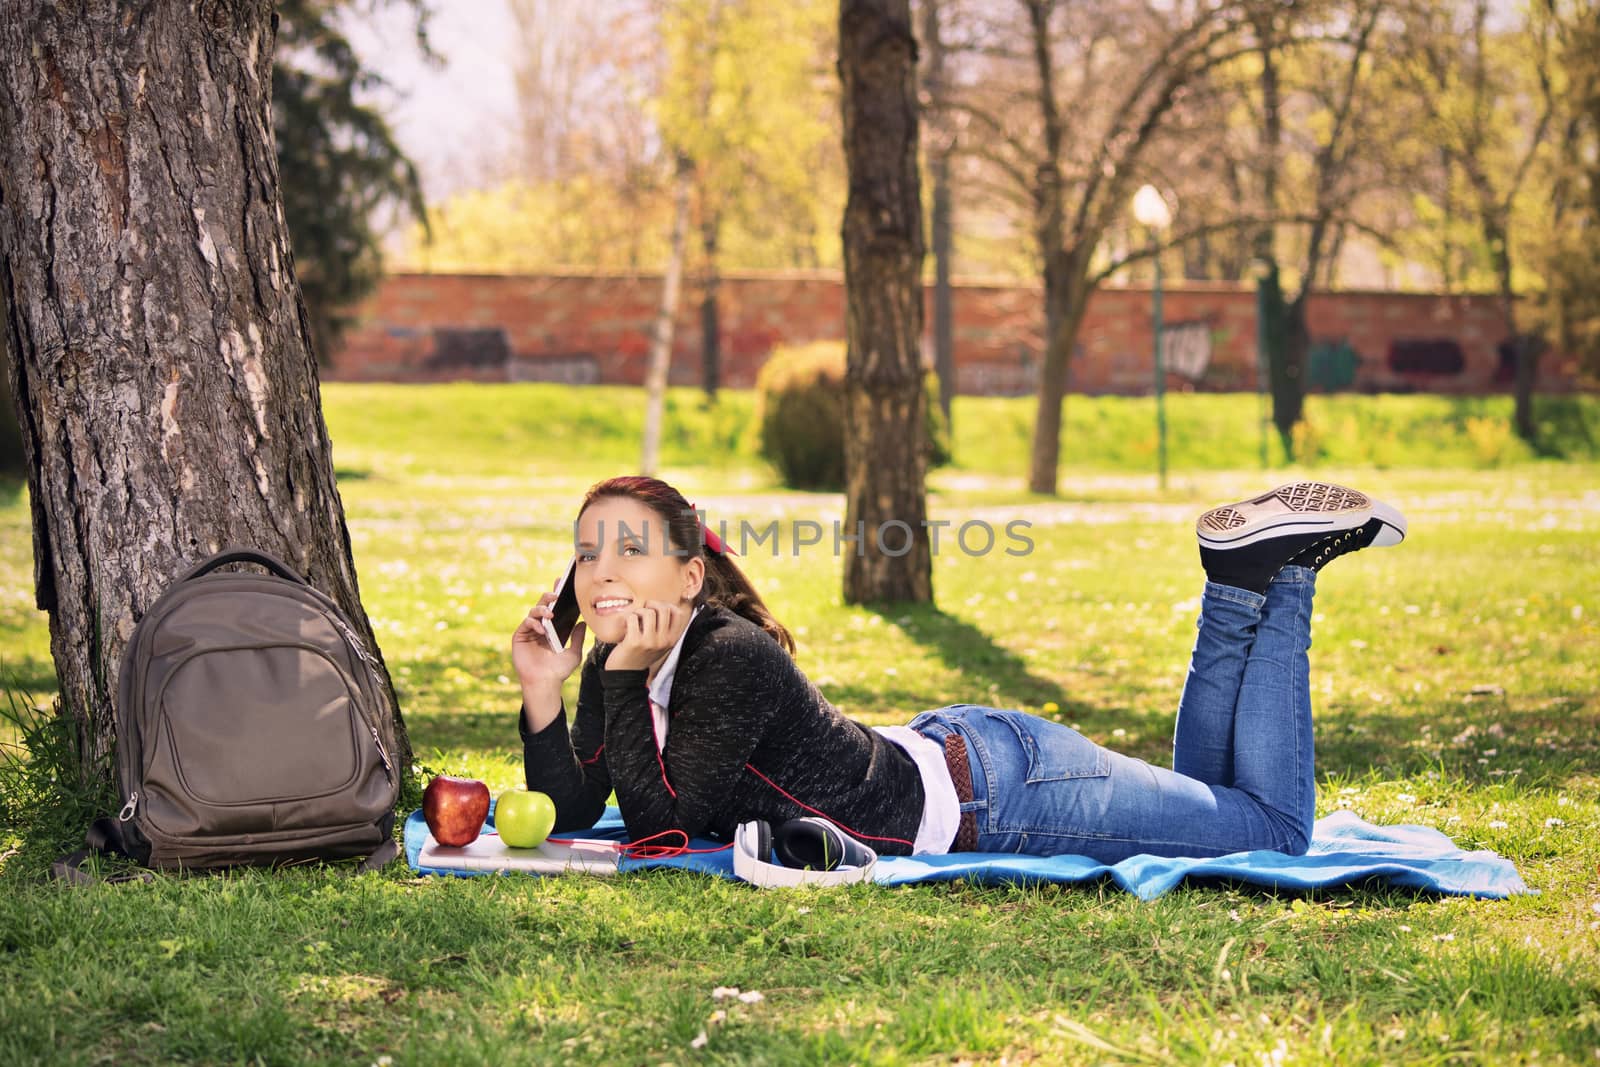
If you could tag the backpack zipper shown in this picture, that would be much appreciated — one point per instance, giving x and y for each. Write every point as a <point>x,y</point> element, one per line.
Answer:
<point>127,809</point>
<point>355,643</point>
<point>375,676</point>
<point>387,766</point>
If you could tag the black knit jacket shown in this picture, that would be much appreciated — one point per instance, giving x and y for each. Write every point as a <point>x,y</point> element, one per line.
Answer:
<point>750,737</point>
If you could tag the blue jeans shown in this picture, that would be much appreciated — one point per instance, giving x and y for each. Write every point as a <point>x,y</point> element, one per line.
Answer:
<point>1243,775</point>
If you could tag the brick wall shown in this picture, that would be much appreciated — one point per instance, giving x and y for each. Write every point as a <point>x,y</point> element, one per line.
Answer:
<point>595,328</point>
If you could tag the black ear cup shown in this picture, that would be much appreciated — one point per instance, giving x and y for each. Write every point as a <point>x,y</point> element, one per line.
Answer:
<point>817,845</point>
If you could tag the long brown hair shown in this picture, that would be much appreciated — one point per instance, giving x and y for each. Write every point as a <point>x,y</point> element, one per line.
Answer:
<point>725,583</point>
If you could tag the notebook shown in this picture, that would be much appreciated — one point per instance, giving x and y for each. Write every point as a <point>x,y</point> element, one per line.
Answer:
<point>489,853</point>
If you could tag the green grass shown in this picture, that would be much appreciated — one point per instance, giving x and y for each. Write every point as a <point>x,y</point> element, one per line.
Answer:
<point>1457,684</point>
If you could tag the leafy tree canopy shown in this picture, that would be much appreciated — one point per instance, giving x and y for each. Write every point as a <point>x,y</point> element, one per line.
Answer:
<point>338,161</point>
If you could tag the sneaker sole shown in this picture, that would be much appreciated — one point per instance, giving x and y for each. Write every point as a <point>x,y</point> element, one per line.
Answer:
<point>1394,525</point>
<point>1299,507</point>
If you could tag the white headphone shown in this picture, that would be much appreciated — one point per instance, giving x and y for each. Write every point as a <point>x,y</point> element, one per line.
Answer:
<point>810,851</point>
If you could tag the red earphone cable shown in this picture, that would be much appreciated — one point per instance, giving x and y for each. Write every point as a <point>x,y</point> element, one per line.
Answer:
<point>825,815</point>
<point>642,849</point>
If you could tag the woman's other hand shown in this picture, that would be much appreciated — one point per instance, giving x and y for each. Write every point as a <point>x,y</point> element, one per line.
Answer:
<point>653,628</point>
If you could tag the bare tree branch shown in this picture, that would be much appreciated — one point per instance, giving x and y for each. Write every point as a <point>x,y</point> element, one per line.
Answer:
<point>1039,12</point>
<point>1542,127</point>
<point>993,125</point>
<point>1383,237</point>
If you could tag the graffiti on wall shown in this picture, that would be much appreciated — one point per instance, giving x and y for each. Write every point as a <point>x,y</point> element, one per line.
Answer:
<point>577,368</point>
<point>1186,348</point>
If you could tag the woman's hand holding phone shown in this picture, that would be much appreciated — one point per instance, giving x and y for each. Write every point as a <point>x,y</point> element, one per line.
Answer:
<point>540,669</point>
<point>531,651</point>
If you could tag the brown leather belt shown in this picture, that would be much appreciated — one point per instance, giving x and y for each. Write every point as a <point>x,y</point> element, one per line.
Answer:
<point>955,758</point>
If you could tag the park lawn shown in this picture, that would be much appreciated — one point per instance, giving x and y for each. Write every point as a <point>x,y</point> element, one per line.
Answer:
<point>1456,677</point>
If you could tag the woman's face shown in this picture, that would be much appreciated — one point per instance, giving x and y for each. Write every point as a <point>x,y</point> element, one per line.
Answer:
<point>624,559</point>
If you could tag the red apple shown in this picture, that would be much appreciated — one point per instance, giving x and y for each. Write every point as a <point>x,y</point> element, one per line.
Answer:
<point>455,809</point>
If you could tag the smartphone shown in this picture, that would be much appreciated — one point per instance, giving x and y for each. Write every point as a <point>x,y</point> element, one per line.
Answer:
<point>565,609</point>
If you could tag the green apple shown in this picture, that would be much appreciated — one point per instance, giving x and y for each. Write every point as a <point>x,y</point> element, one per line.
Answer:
<point>524,818</point>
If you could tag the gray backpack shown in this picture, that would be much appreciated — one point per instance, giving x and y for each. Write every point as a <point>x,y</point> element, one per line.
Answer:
<point>251,727</point>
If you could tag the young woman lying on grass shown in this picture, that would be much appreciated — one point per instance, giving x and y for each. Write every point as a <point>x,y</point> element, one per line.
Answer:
<point>691,707</point>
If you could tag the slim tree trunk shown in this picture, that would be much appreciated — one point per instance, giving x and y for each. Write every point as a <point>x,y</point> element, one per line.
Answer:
<point>710,318</point>
<point>1277,332</point>
<point>1284,331</point>
<point>939,221</point>
<point>655,382</point>
<point>1294,346</point>
<point>1527,351</point>
<point>161,358</point>
<point>1066,297</point>
<point>885,431</point>
<point>1063,271</point>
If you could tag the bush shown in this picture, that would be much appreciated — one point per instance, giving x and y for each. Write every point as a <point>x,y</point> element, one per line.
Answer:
<point>800,414</point>
<point>800,410</point>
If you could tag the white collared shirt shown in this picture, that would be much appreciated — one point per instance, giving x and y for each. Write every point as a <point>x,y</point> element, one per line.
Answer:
<point>661,685</point>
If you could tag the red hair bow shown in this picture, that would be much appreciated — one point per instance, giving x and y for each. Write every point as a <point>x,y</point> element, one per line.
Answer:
<point>709,538</point>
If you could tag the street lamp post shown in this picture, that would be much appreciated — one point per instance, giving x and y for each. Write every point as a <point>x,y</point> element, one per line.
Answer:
<point>1151,211</point>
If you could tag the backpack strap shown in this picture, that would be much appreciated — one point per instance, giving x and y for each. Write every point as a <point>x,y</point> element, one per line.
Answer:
<point>380,856</point>
<point>104,839</point>
<point>244,555</point>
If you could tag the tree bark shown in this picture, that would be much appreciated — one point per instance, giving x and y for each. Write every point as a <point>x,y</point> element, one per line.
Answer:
<point>939,215</point>
<point>161,359</point>
<point>1050,230</point>
<point>885,428</point>
<point>1527,349</point>
<point>1066,298</point>
<point>1285,332</point>
<point>1294,345</point>
<point>655,381</point>
<point>1284,375</point>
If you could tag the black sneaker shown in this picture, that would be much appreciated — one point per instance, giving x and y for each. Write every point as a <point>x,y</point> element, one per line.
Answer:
<point>1304,523</point>
<point>1375,531</point>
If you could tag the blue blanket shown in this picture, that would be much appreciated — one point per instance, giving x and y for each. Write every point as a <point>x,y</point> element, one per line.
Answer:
<point>1344,850</point>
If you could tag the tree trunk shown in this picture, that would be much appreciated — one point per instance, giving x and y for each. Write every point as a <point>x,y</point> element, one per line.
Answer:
<point>1527,350</point>
<point>939,221</point>
<point>1285,379</point>
<point>710,319</point>
<point>1061,265</point>
<point>162,366</point>
<point>1284,332</point>
<point>1066,297</point>
<point>655,381</point>
<point>885,431</point>
<point>1294,344</point>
